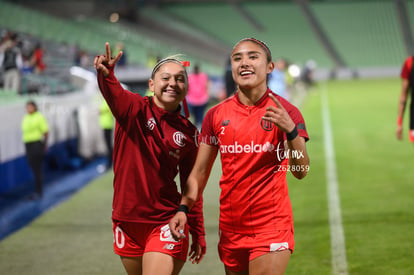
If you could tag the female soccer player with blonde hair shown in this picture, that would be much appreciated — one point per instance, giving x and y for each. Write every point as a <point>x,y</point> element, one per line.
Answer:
<point>153,143</point>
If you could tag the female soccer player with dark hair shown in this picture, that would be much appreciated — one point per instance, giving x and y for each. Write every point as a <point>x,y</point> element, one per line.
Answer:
<point>260,137</point>
<point>153,142</point>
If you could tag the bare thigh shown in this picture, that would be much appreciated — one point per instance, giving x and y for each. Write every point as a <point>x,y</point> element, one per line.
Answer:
<point>229,272</point>
<point>132,265</point>
<point>160,263</point>
<point>274,263</point>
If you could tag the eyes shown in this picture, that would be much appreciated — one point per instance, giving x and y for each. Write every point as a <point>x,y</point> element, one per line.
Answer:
<point>178,78</point>
<point>252,56</point>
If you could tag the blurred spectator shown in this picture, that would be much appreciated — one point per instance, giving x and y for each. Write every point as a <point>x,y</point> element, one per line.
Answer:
<point>11,62</point>
<point>36,60</point>
<point>198,94</point>
<point>152,59</point>
<point>106,121</point>
<point>76,53</point>
<point>120,47</point>
<point>35,132</point>
<point>277,80</point>
<point>84,60</point>
<point>228,78</point>
<point>81,57</point>
<point>307,73</point>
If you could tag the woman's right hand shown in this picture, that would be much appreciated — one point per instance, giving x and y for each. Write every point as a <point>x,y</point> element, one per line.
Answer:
<point>399,132</point>
<point>177,224</point>
<point>102,63</point>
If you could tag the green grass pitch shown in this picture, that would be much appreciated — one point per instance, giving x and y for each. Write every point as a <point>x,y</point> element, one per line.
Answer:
<point>376,183</point>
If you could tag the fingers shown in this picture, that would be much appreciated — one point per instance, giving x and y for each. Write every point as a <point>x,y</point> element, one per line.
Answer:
<point>176,225</point>
<point>278,115</point>
<point>398,135</point>
<point>196,255</point>
<point>111,61</point>
<point>277,102</point>
<point>101,62</point>
<point>116,59</point>
<point>272,111</point>
<point>181,234</point>
<point>98,63</point>
<point>108,51</point>
<point>177,233</point>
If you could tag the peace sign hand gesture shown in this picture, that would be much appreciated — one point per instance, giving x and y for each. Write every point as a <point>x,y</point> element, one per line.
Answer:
<point>279,116</point>
<point>104,62</point>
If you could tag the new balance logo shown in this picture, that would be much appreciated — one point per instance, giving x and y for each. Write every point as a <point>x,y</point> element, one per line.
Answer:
<point>169,246</point>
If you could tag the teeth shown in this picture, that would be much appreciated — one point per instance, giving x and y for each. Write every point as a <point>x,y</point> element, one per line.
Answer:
<point>171,92</point>
<point>245,73</point>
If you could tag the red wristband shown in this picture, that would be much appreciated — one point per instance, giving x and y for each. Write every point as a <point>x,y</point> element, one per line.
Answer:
<point>399,121</point>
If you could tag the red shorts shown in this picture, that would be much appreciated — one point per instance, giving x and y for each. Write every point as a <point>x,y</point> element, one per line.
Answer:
<point>237,250</point>
<point>411,135</point>
<point>133,239</point>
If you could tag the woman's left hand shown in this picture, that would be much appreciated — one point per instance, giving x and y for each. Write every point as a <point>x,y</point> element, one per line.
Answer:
<point>279,116</point>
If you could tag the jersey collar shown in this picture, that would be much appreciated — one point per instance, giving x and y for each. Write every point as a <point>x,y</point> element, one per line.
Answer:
<point>259,103</point>
<point>160,112</point>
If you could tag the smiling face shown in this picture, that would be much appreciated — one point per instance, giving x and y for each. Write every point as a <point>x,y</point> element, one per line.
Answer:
<point>250,65</point>
<point>169,85</point>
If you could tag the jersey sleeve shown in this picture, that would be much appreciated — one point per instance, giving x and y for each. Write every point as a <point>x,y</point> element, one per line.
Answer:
<point>208,135</point>
<point>297,118</point>
<point>122,103</point>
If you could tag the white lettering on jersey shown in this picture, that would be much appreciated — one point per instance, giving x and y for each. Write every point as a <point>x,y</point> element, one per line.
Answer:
<point>237,148</point>
<point>151,123</point>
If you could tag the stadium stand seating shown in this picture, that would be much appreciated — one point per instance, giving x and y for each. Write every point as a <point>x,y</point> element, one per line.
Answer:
<point>410,11</point>
<point>365,33</point>
<point>371,39</point>
<point>88,33</point>
<point>285,29</point>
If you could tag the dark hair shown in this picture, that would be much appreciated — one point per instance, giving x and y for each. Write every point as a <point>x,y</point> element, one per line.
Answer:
<point>260,43</point>
<point>31,102</point>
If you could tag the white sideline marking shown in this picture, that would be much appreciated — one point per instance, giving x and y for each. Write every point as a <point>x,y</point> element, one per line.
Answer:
<point>339,262</point>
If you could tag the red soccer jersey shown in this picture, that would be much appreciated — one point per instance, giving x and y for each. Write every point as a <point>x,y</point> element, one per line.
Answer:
<point>254,193</point>
<point>151,145</point>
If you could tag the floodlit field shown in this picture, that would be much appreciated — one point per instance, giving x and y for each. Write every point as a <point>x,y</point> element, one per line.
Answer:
<point>375,185</point>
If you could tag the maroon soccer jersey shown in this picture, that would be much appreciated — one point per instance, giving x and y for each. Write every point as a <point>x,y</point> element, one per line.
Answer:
<point>151,146</point>
<point>254,193</point>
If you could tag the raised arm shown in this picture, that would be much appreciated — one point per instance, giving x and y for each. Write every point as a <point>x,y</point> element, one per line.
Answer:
<point>121,102</point>
<point>298,155</point>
